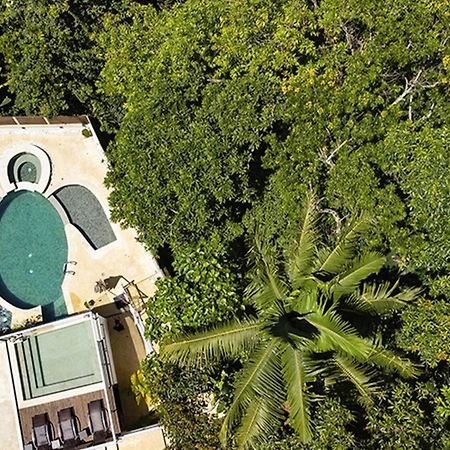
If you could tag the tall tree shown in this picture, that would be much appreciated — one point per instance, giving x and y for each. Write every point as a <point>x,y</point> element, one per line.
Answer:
<point>232,109</point>
<point>304,331</point>
<point>51,56</point>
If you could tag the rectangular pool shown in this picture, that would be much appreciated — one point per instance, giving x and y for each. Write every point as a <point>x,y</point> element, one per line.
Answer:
<point>58,360</point>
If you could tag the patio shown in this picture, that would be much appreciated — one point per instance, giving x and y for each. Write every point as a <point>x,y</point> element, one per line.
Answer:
<point>80,406</point>
<point>128,351</point>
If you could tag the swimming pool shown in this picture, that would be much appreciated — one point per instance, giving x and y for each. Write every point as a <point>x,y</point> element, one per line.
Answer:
<point>33,251</point>
<point>58,360</point>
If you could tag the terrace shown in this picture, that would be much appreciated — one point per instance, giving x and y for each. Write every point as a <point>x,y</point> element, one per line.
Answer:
<point>68,366</point>
<point>54,215</point>
<point>68,276</point>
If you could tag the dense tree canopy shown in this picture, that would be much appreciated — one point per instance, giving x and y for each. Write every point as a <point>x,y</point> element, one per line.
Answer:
<point>248,103</point>
<point>50,54</point>
<point>180,397</point>
<point>207,287</point>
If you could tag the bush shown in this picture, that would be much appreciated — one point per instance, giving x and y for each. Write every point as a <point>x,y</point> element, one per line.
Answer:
<point>203,291</point>
<point>180,398</point>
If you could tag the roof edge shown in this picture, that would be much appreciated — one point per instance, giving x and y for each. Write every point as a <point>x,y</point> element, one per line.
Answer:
<point>21,121</point>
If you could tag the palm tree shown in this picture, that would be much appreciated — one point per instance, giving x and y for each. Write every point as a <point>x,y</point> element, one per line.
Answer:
<point>300,337</point>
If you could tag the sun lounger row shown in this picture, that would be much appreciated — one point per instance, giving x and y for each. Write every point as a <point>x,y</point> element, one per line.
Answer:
<point>69,431</point>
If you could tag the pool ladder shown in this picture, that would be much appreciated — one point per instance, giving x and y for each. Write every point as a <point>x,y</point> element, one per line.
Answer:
<point>66,270</point>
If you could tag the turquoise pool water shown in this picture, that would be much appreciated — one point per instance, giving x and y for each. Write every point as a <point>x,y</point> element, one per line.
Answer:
<point>46,367</point>
<point>33,251</point>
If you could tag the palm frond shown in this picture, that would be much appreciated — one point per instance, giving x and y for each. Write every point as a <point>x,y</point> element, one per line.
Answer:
<point>407,295</point>
<point>361,268</point>
<point>356,374</point>
<point>391,362</point>
<point>225,341</point>
<point>264,299</point>
<point>378,298</point>
<point>305,300</point>
<point>296,378</point>
<point>303,250</point>
<point>335,260</point>
<point>260,378</point>
<point>267,290</point>
<point>336,334</point>
<point>260,420</point>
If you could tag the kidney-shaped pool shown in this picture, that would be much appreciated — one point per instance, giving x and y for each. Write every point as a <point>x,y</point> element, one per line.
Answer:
<point>33,251</point>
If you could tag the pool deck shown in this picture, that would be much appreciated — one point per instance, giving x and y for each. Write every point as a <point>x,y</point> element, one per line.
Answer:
<point>76,159</point>
<point>151,438</point>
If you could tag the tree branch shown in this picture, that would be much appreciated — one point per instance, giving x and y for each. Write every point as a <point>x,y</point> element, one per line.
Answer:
<point>409,87</point>
<point>428,114</point>
<point>410,107</point>
<point>328,159</point>
<point>336,218</point>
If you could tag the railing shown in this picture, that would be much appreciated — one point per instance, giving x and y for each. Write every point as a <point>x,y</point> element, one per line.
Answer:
<point>105,355</point>
<point>139,324</point>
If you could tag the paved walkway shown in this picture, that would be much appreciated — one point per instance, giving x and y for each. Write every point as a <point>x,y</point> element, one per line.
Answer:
<point>149,439</point>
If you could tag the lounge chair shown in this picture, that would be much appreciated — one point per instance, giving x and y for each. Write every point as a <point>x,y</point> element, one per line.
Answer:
<point>68,427</point>
<point>98,422</point>
<point>41,432</point>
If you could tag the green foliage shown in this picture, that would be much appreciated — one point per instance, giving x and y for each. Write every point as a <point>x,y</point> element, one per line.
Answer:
<point>203,291</point>
<point>443,404</point>
<point>331,432</point>
<point>406,419</point>
<point>418,165</point>
<point>51,58</point>
<point>439,286</point>
<point>181,400</point>
<point>201,124</point>
<point>226,113</point>
<point>426,331</point>
<point>233,108</point>
<point>405,422</point>
<point>304,335</point>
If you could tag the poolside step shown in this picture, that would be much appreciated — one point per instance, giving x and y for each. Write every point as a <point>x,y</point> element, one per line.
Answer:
<point>36,359</point>
<point>31,364</point>
<point>24,375</point>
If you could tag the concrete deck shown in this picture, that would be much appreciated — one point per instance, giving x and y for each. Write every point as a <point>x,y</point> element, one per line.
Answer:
<point>76,159</point>
<point>128,351</point>
<point>151,438</point>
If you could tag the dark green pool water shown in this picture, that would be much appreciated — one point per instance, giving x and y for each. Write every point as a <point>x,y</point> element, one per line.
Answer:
<point>33,250</point>
<point>28,172</point>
